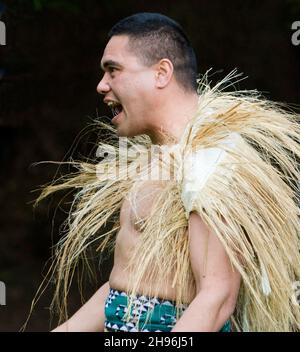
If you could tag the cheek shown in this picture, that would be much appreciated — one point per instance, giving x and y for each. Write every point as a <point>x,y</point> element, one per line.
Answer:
<point>143,83</point>
<point>148,81</point>
<point>144,91</point>
<point>136,92</point>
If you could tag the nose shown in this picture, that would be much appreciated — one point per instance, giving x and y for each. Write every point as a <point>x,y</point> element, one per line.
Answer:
<point>103,86</point>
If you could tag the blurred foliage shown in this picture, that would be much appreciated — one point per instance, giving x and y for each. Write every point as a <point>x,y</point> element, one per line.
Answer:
<point>73,7</point>
<point>50,70</point>
<point>69,6</point>
<point>26,6</point>
<point>294,7</point>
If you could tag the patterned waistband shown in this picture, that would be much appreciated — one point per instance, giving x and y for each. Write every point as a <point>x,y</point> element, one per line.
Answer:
<point>147,313</point>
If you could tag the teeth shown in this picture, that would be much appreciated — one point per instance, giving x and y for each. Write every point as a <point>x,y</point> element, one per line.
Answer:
<point>115,107</point>
<point>112,104</point>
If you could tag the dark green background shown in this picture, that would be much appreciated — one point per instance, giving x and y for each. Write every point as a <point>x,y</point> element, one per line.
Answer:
<point>47,96</point>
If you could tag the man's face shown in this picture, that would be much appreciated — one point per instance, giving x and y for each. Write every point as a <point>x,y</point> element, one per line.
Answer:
<point>128,87</point>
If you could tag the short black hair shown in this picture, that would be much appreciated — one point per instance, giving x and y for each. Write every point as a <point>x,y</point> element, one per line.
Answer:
<point>153,37</point>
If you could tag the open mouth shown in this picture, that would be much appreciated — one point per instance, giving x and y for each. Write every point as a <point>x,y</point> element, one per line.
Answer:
<point>116,108</point>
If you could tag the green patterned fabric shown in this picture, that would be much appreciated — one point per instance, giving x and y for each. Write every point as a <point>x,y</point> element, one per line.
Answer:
<point>162,318</point>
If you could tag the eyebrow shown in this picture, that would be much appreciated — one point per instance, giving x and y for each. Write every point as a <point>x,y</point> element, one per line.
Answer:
<point>108,63</point>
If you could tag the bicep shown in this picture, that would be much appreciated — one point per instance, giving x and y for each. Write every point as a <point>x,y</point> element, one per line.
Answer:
<point>210,263</point>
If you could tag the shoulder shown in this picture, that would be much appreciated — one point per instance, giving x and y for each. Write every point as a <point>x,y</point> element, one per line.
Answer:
<point>202,164</point>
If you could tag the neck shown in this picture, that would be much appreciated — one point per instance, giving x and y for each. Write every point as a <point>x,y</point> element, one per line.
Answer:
<point>172,116</point>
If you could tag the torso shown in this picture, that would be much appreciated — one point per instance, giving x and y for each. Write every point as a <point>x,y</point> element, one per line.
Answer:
<point>127,239</point>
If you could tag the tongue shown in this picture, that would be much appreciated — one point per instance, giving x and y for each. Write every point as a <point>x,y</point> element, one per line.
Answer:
<point>117,114</point>
<point>119,109</point>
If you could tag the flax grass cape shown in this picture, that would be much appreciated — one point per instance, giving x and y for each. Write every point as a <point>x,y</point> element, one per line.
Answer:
<point>254,189</point>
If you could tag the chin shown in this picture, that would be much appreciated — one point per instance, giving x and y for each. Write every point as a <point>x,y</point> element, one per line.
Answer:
<point>121,133</point>
<point>126,133</point>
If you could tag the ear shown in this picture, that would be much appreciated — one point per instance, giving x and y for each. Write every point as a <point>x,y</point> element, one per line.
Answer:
<point>164,73</point>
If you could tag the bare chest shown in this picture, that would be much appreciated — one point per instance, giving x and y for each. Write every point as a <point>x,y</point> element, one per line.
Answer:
<point>137,206</point>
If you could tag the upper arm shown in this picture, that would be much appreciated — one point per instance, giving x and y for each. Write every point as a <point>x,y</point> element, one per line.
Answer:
<point>90,317</point>
<point>210,263</point>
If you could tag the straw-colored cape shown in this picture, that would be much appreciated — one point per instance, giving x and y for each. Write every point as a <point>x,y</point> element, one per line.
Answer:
<point>237,160</point>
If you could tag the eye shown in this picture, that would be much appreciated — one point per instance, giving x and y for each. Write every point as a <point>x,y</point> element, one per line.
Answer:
<point>111,69</point>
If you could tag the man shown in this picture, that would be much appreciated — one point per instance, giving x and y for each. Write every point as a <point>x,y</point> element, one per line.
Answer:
<point>178,260</point>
